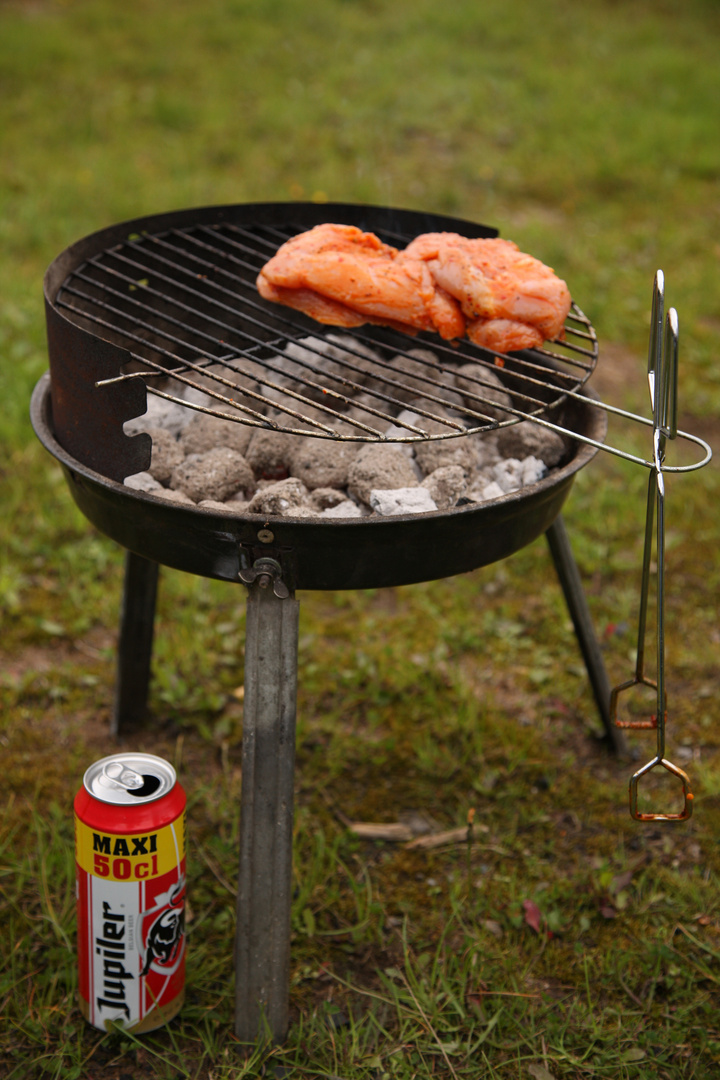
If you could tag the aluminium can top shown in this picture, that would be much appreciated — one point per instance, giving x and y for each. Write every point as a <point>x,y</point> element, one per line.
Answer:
<point>129,779</point>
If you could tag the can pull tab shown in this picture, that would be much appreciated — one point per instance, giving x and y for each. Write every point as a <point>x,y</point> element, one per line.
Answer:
<point>117,773</point>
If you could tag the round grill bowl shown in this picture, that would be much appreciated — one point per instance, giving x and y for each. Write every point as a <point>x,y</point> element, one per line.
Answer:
<point>318,554</point>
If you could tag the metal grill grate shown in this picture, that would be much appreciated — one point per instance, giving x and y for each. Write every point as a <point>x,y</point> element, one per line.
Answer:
<point>183,303</point>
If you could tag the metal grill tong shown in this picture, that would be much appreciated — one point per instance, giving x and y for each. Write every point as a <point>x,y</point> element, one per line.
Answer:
<point>662,383</point>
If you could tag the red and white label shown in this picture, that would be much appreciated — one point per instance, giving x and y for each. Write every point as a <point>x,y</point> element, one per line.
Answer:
<point>131,925</point>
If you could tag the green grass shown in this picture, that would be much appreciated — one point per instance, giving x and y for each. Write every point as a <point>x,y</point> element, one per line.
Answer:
<point>588,134</point>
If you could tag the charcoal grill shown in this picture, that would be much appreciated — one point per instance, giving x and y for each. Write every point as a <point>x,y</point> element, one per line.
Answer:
<point>175,296</point>
<point>167,304</point>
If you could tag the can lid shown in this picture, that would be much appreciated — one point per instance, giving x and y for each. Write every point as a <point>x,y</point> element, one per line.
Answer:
<point>129,779</point>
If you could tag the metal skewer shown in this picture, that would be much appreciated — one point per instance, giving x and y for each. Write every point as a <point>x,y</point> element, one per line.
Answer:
<point>662,382</point>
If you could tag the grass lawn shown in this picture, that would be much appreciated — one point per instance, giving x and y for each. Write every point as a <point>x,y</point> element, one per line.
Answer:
<point>566,941</point>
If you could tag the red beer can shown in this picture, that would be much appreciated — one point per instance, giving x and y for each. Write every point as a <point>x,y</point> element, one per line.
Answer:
<point>130,861</point>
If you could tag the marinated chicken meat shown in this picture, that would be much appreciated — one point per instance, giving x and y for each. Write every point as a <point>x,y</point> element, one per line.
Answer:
<point>488,289</point>
<point>363,280</point>
<point>494,281</point>
<point>504,335</point>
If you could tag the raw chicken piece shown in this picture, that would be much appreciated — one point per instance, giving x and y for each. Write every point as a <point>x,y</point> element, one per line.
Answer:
<point>329,237</point>
<point>493,279</point>
<point>313,304</point>
<point>504,335</point>
<point>343,276</point>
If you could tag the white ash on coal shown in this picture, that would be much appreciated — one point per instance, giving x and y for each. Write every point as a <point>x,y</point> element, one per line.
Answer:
<point>480,385</point>
<point>407,500</point>
<point>322,463</point>
<point>446,486</point>
<point>286,498</point>
<point>143,481</point>
<point>269,454</point>
<point>325,498</point>
<point>201,459</point>
<point>217,475</point>
<point>204,432</point>
<point>345,509</point>
<point>506,476</point>
<point>379,466</point>
<point>167,454</point>
<point>527,439</point>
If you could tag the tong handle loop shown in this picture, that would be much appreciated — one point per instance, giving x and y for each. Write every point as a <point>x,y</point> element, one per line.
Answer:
<point>688,796</point>
<point>639,680</point>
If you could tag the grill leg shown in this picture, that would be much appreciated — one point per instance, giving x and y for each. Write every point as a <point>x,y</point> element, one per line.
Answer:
<point>569,576</point>
<point>262,943</point>
<point>137,619</point>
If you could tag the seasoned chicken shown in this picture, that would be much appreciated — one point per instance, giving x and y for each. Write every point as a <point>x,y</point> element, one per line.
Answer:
<point>493,279</point>
<point>504,335</point>
<point>488,289</point>
<point>353,269</point>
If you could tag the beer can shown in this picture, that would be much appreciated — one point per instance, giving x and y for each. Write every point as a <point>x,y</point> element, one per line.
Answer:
<point>130,864</point>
